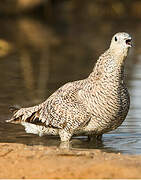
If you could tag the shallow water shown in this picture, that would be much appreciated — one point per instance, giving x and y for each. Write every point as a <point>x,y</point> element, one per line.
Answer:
<point>37,58</point>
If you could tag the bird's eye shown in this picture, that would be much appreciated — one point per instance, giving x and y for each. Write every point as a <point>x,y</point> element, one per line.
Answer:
<point>115,38</point>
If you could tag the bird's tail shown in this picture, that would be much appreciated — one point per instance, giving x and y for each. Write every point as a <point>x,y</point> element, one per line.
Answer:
<point>38,129</point>
<point>32,119</point>
<point>30,114</point>
<point>13,110</point>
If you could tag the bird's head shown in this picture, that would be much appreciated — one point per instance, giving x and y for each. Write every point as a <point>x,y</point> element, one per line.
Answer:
<point>120,44</point>
<point>121,40</point>
<point>114,57</point>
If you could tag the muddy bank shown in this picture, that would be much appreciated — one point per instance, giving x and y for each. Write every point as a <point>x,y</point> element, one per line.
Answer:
<point>21,161</point>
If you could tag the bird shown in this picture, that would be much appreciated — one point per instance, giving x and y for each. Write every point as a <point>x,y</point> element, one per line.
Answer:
<point>92,106</point>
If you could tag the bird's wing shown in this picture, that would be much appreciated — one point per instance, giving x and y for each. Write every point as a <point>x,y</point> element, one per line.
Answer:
<point>62,109</point>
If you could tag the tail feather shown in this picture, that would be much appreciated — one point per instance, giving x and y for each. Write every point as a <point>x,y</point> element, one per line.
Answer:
<point>33,121</point>
<point>37,129</point>
<point>14,109</point>
<point>32,128</point>
<point>30,114</point>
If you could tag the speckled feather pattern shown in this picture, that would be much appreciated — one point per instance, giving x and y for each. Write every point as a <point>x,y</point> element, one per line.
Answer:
<point>95,105</point>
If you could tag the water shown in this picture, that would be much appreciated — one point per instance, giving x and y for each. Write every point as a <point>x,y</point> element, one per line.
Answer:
<point>36,58</point>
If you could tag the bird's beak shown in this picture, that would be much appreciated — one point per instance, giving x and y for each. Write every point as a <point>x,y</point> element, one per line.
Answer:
<point>129,42</point>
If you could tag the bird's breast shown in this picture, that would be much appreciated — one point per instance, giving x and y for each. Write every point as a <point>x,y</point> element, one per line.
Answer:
<point>109,101</point>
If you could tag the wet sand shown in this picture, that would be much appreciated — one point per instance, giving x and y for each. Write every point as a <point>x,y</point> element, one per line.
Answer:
<point>22,161</point>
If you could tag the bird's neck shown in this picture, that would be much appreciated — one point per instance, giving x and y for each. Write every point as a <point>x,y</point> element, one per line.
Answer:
<point>109,64</point>
<point>119,55</point>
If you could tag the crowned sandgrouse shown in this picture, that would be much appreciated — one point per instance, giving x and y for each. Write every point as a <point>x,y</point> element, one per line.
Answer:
<point>93,106</point>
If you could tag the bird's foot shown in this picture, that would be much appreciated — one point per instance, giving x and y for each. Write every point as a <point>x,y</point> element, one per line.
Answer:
<point>65,145</point>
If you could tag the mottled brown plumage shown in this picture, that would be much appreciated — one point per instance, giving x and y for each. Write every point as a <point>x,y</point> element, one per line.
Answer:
<point>92,106</point>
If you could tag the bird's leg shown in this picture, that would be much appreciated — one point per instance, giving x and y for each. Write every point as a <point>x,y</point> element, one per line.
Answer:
<point>99,137</point>
<point>65,145</point>
<point>65,137</point>
<point>94,137</point>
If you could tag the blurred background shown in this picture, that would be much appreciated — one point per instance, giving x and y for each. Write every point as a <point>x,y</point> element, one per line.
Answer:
<point>46,43</point>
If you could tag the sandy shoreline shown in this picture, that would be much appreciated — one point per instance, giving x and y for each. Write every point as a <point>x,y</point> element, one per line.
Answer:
<point>22,161</point>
